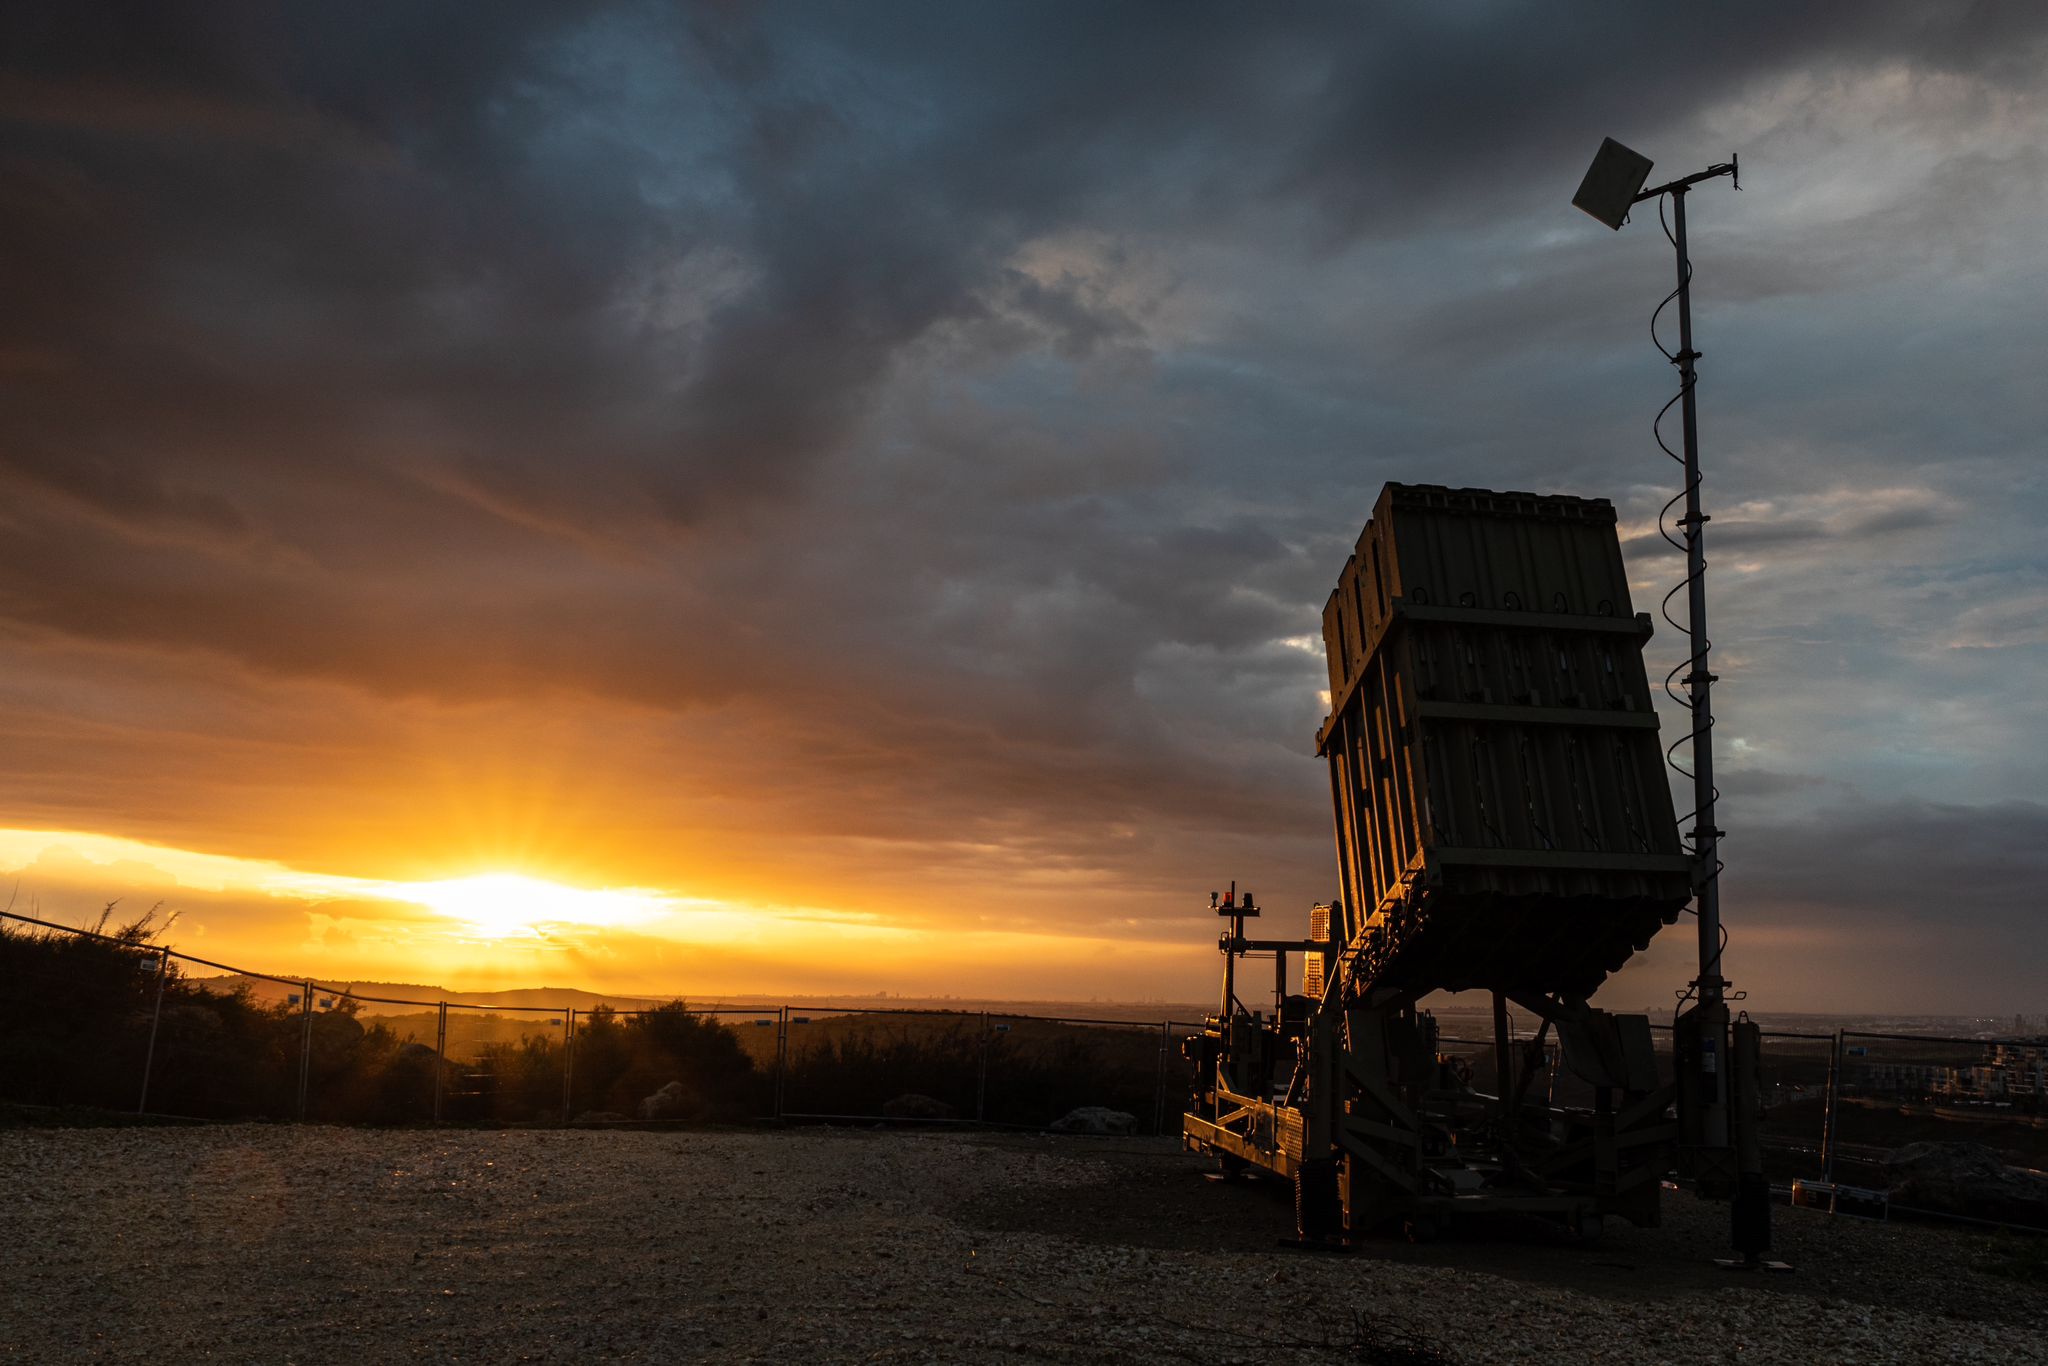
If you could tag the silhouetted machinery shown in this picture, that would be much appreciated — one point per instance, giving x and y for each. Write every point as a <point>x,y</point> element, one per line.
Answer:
<point>1504,824</point>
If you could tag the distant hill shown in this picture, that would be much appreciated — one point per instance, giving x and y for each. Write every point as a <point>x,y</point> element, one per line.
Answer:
<point>398,998</point>
<point>421,995</point>
<point>1463,1015</point>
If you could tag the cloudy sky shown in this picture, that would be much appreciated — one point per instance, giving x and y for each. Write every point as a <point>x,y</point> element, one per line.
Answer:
<point>866,477</point>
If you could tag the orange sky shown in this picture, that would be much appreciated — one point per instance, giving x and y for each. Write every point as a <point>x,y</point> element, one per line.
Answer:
<point>868,488</point>
<point>494,930</point>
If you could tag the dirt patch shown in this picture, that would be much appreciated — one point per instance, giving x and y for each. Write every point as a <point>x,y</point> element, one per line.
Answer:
<point>249,1243</point>
<point>1150,1194</point>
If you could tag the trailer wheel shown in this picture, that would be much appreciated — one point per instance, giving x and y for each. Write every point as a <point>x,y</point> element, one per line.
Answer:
<point>1317,1211</point>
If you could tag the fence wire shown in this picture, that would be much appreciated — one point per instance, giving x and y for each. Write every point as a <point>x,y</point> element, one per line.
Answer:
<point>107,1022</point>
<point>1897,1089</point>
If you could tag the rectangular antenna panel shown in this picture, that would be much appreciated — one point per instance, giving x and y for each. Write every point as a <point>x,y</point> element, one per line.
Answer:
<point>1612,183</point>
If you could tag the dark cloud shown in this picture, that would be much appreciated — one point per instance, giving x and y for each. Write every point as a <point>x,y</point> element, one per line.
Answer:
<point>1970,872</point>
<point>1855,516</point>
<point>935,428</point>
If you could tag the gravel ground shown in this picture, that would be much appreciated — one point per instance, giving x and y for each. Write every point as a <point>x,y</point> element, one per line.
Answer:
<point>277,1244</point>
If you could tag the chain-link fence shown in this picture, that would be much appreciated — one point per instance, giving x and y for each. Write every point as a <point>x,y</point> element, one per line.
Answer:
<point>1005,1070</point>
<point>1897,1089</point>
<point>1799,1076</point>
<point>112,1022</point>
<point>1793,1080</point>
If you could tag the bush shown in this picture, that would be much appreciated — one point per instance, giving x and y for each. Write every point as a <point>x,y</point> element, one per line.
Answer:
<point>621,1062</point>
<point>75,1016</point>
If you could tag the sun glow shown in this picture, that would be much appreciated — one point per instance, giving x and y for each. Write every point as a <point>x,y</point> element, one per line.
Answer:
<point>493,930</point>
<point>502,905</point>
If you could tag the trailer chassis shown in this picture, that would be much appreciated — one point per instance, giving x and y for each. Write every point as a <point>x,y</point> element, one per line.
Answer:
<point>1349,1098</point>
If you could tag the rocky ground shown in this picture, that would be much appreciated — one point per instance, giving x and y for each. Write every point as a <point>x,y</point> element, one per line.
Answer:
<point>280,1244</point>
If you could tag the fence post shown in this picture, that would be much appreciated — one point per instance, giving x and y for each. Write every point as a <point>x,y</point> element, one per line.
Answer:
<point>781,1058</point>
<point>156,1014</point>
<point>568,1061</point>
<point>1831,1112</point>
<point>440,1058</point>
<point>981,1086</point>
<point>1159,1084</point>
<point>305,1047</point>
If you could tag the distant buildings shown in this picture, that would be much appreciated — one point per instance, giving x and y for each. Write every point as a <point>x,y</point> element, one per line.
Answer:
<point>2014,1074</point>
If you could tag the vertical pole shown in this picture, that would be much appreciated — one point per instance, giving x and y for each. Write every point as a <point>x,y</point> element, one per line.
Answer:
<point>1699,682</point>
<point>1228,1019</point>
<point>305,1046</point>
<point>440,1058</point>
<point>1752,1206</point>
<point>981,1087</point>
<point>1230,971</point>
<point>156,1014</point>
<point>1159,1082</point>
<point>568,1062</point>
<point>781,1057</point>
<point>1503,1060</point>
<point>1831,1113</point>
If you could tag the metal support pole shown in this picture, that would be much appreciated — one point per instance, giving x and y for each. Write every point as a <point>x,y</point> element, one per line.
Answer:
<point>1699,683</point>
<point>981,1087</point>
<point>440,1058</point>
<point>1229,1012</point>
<point>1227,1020</point>
<point>1751,1212</point>
<point>156,1014</point>
<point>781,1057</point>
<point>305,1047</point>
<point>1159,1082</point>
<point>568,1062</point>
<point>1831,1113</point>
<point>1503,1061</point>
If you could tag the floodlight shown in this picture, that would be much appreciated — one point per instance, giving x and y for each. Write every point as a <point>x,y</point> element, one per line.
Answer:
<point>1612,183</point>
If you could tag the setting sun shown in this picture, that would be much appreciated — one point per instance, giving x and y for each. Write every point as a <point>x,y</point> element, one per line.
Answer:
<point>502,905</point>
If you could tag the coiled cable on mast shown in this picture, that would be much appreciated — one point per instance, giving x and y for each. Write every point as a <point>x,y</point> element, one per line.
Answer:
<point>1695,660</point>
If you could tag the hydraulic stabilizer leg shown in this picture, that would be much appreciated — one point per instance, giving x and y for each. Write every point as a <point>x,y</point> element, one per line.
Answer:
<point>1750,1210</point>
<point>1318,1185</point>
<point>1318,1204</point>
